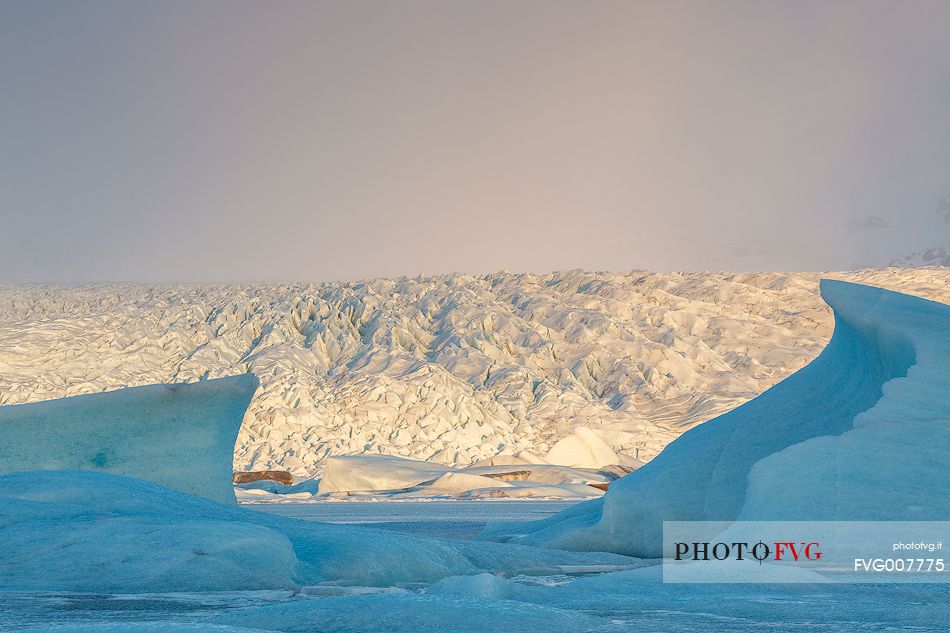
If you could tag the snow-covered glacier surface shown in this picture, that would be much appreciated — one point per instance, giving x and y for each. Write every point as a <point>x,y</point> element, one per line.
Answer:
<point>180,435</point>
<point>451,369</point>
<point>396,478</point>
<point>861,433</point>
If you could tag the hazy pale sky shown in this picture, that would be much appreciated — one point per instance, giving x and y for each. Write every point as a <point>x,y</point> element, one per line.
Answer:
<point>242,141</point>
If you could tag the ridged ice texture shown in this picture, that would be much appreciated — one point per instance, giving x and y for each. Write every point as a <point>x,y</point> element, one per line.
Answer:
<point>97,532</point>
<point>179,436</point>
<point>862,433</point>
<point>452,369</point>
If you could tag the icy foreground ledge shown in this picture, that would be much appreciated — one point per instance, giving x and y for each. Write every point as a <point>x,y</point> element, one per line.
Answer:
<point>862,433</point>
<point>91,531</point>
<point>179,436</point>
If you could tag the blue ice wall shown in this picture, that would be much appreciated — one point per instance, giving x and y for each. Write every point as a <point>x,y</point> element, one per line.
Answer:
<point>180,436</point>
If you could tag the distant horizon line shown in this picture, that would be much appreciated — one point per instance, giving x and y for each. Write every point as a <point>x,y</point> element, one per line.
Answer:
<point>425,275</point>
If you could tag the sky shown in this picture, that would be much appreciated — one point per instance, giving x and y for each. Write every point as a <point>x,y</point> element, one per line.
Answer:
<point>221,141</point>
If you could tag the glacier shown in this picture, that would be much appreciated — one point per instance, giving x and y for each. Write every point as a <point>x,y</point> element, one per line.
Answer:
<point>453,369</point>
<point>180,435</point>
<point>861,433</point>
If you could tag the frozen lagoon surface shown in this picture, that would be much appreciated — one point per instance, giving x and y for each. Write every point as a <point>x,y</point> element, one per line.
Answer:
<point>445,519</point>
<point>616,602</point>
<point>576,608</point>
<point>577,602</point>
